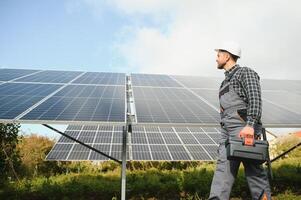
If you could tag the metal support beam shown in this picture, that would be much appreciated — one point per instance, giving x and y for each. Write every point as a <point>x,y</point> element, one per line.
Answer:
<point>123,167</point>
<point>75,140</point>
<point>286,152</point>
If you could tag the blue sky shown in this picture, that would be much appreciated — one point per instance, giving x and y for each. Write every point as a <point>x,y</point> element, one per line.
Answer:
<point>48,34</point>
<point>65,35</point>
<point>151,36</point>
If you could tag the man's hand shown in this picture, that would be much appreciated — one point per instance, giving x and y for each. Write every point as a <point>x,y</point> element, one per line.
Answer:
<point>248,134</point>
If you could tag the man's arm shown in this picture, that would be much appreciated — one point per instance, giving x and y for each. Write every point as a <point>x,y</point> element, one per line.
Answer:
<point>251,85</point>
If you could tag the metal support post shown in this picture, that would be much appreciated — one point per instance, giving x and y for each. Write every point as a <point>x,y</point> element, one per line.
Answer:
<point>123,167</point>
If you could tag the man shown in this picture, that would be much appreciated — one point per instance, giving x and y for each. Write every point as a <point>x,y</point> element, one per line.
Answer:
<point>240,110</point>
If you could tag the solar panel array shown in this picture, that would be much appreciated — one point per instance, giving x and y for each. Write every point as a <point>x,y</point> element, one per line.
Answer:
<point>171,112</point>
<point>62,96</point>
<point>153,143</point>
<point>43,96</point>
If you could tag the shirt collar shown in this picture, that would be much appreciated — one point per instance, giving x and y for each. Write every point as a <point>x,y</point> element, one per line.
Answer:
<point>230,71</point>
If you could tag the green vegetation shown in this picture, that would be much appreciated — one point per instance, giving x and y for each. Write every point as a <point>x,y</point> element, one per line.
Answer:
<point>9,156</point>
<point>146,184</point>
<point>41,179</point>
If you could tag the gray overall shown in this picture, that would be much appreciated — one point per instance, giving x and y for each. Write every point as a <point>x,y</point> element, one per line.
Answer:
<point>226,170</point>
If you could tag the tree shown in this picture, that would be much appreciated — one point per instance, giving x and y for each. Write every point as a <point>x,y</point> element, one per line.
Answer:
<point>9,156</point>
<point>33,150</point>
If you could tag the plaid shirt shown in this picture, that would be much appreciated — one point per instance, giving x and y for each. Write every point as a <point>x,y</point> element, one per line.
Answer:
<point>246,84</point>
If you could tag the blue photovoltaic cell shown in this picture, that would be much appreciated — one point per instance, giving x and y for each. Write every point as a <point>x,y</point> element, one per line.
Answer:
<point>10,74</point>
<point>154,80</point>
<point>101,78</point>
<point>83,103</point>
<point>51,77</point>
<point>15,98</point>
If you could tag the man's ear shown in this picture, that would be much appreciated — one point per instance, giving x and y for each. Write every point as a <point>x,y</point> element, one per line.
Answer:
<point>228,57</point>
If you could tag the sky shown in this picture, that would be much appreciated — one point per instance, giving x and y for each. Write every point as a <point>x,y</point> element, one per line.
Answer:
<point>150,36</point>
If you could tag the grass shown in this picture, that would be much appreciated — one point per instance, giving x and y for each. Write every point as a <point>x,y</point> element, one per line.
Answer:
<point>153,180</point>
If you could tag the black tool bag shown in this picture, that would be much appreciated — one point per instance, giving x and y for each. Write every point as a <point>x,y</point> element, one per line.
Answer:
<point>237,150</point>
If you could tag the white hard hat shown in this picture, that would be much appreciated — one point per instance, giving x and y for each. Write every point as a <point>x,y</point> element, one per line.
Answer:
<point>231,47</point>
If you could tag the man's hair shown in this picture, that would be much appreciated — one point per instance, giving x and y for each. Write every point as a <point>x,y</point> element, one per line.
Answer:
<point>234,57</point>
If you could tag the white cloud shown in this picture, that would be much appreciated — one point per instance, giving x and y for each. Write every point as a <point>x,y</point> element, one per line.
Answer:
<point>268,31</point>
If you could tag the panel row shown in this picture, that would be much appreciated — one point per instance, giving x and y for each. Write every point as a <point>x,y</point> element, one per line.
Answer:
<point>53,76</point>
<point>62,102</point>
<point>144,143</point>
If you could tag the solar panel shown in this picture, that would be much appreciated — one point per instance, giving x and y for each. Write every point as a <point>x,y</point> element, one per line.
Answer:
<point>198,81</point>
<point>15,98</point>
<point>275,115</point>
<point>83,103</point>
<point>11,74</point>
<point>62,96</point>
<point>176,143</point>
<point>51,76</point>
<point>171,105</point>
<point>154,80</point>
<point>210,95</point>
<point>144,143</point>
<point>101,78</point>
<point>107,139</point>
<point>285,100</point>
<point>284,85</point>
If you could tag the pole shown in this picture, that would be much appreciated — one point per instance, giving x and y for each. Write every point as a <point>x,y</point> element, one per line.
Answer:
<point>123,168</point>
